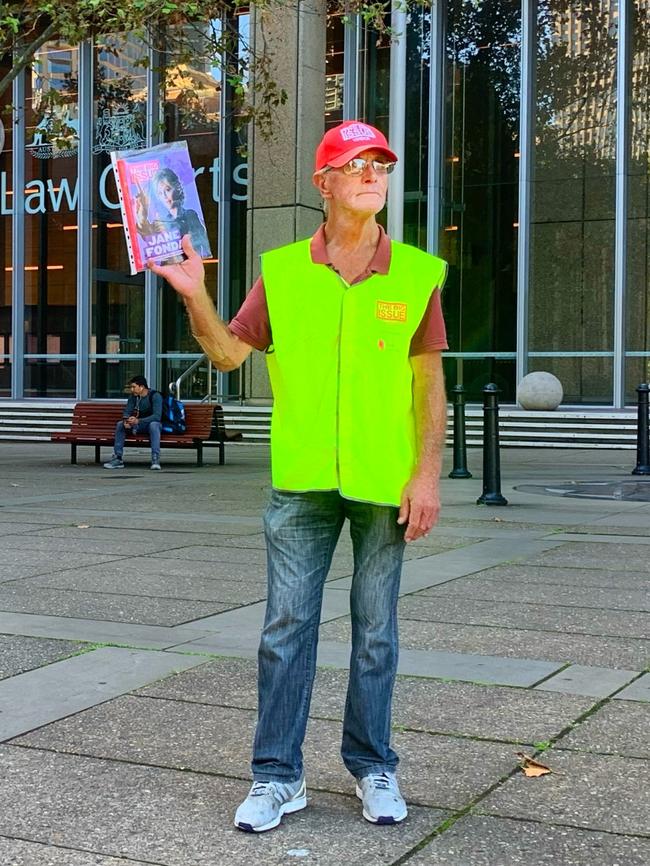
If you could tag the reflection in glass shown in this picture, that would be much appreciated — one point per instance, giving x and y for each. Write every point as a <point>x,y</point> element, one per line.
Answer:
<point>6,206</point>
<point>51,129</point>
<point>479,233</point>
<point>334,66</point>
<point>638,225</point>
<point>198,124</point>
<point>416,162</point>
<point>197,120</point>
<point>117,299</point>
<point>573,201</point>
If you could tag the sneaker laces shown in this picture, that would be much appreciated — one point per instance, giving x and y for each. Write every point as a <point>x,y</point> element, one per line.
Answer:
<point>259,789</point>
<point>380,781</point>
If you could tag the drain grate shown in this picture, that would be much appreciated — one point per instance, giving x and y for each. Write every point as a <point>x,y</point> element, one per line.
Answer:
<point>626,491</point>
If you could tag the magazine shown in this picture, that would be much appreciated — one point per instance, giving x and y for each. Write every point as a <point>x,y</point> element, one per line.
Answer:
<point>160,204</point>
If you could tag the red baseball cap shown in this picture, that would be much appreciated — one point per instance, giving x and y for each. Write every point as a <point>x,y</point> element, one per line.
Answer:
<point>342,143</point>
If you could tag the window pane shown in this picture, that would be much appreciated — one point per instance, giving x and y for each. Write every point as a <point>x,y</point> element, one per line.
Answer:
<point>334,67</point>
<point>479,232</point>
<point>416,162</point>
<point>6,207</point>
<point>50,221</point>
<point>573,200</point>
<point>196,121</point>
<point>117,299</point>
<point>638,226</point>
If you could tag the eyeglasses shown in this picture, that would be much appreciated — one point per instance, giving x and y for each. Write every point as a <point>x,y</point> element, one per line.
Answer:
<point>356,166</point>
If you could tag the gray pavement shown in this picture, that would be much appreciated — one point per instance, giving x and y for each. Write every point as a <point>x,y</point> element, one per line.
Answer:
<point>130,607</point>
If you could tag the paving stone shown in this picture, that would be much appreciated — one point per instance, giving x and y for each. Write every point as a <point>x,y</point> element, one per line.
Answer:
<point>161,539</point>
<point>19,653</point>
<point>218,740</point>
<point>568,576</point>
<point>182,819</point>
<point>16,852</point>
<point>158,584</point>
<point>610,652</point>
<point>512,614</point>
<point>606,529</point>
<point>592,681</point>
<point>428,705</point>
<point>636,691</point>
<point>597,537</point>
<point>619,728</point>
<point>586,790</point>
<point>12,526</point>
<point>145,566</point>
<point>616,557</point>
<point>38,697</point>
<point>636,518</point>
<point>117,608</point>
<point>212,552</point>
<point>25,563</point>
<point>484,841</point>
<point>96,631</point>
<point>116,546</point>
<point>482,587</point>
<point>225,682</point>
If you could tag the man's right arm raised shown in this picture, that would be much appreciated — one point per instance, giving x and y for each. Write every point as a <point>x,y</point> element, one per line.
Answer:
<point>226,350</point>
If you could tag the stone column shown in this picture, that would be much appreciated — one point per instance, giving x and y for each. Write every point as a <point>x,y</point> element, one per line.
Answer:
<point>283,205</point>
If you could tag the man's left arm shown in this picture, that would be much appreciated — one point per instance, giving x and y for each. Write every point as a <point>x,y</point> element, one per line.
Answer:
<point>420,504</point>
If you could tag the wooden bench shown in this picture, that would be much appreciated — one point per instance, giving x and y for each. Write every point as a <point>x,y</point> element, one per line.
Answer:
<point>93,423</point>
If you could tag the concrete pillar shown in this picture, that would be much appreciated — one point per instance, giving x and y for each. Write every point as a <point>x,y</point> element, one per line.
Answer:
<point>283,205</point>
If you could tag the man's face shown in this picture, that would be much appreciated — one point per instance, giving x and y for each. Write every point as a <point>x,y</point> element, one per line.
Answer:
<point>137,390</point>
<point>363,194</point>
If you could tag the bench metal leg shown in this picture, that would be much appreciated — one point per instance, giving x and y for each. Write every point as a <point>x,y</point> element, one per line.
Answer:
<point>199,453</point>
<point>73,453</point>
<point>222,453</point>
<point>97,455</point>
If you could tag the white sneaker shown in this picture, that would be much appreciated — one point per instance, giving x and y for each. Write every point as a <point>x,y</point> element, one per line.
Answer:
<point>267,802</point>
<point>382,801</point>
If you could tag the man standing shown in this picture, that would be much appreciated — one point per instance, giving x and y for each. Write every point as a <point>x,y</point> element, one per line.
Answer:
<point>352,327</point>
<point>142,414</point>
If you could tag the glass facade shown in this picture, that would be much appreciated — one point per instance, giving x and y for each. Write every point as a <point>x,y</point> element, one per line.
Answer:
<point>85,325</point>
<point>533,238</point>
<point>525,154</point>
<point>117,307</point>
<point>6,234</point>
<point>637,320</point>
<point>478,235</point>
<point>572,233</point>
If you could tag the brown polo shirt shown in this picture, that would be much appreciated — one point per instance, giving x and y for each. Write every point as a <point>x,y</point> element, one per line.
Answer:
<point>251,324</point>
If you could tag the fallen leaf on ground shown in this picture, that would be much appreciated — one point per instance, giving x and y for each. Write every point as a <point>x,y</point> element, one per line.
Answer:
<point>531,767</point>
<point>83,526</point>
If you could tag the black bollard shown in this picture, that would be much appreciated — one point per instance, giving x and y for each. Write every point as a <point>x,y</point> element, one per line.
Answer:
<point>460,469</point>
<point>491,464</point>
<point>642,433</point>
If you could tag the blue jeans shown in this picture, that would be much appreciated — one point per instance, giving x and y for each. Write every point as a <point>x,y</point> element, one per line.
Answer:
<point>150,427</point>
<point>301,533</point>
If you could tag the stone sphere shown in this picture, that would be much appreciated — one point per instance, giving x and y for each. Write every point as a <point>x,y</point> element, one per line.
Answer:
<point>540,391</point>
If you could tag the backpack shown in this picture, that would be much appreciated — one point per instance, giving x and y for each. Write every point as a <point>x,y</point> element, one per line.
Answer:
<point>173,415</point>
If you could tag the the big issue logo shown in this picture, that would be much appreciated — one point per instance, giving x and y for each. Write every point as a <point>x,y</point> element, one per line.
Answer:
<point>114,132</point>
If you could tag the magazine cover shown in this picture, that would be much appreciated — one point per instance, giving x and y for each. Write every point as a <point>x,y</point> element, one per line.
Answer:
<point>160,204</point>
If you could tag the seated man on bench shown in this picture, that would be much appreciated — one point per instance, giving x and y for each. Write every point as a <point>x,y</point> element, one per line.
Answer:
<point>142,414</point>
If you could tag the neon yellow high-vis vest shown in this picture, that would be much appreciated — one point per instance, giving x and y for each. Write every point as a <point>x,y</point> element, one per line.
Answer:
<point>339,366</point>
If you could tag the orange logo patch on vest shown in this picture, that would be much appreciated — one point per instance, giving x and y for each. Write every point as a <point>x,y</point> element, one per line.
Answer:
<point>390,311</point>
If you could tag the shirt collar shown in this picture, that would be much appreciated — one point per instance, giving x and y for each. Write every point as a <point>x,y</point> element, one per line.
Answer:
<point>379,264</point>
